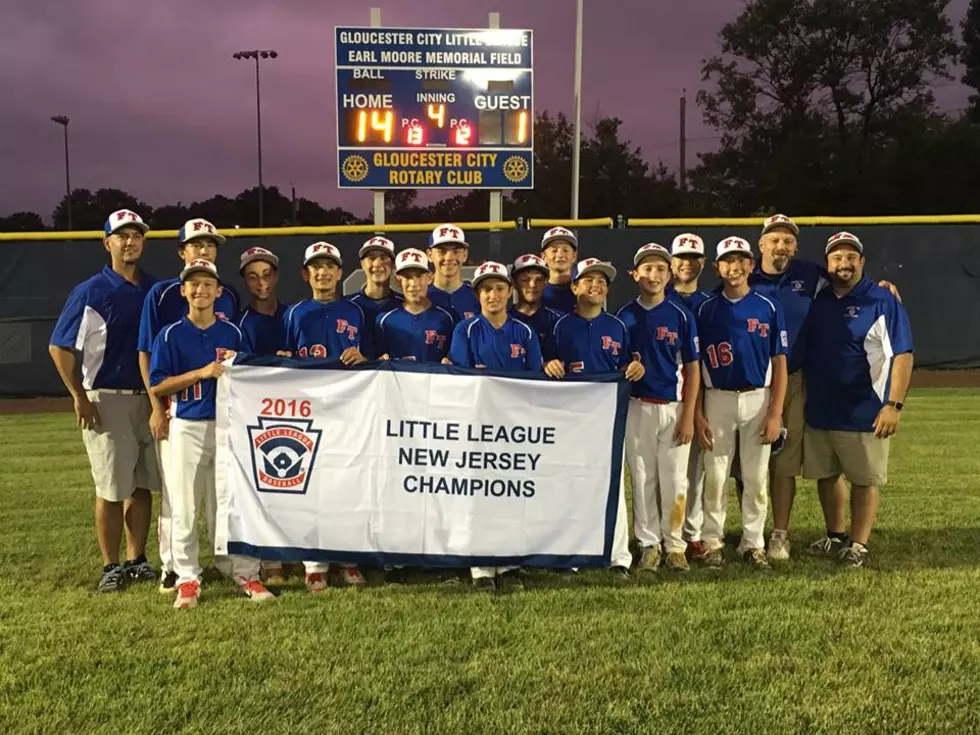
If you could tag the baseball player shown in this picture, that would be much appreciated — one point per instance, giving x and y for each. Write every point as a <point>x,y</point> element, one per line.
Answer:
<point>856,382</point>
<point>559,247</point>
<point>333,328</point>
<point>198,240</point>
<point>448,252</point>
<point>377,260</point>
<point>262,322</point>
<point>495,341</point>
<point>530,274</point>
<point>743,357</point>
<point>93,347</point>
<point>591,340</point>
<point>660,422</point>
<point>186,363</point>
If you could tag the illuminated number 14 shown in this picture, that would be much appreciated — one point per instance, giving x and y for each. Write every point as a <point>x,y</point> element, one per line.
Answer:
<point>381,123</point>
<point>720,355</point>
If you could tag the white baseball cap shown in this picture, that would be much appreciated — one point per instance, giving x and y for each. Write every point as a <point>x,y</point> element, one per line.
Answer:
<point>124,218</point>
<point>490,269</point>
<point>651,249</point>
<point>843,238</point>
<point>194,228</point>
<point>733,245</point>
<point>559,233</point>
<point>447,234</point>
<point>779,220</point>
<point>253,254</point>
<point>594,265</point>
<point>198,266</point>
<point>687,244</point>
<point>380,244</point>
<point>530,260</point>
<point>411,259</point>
<point>322,250</point>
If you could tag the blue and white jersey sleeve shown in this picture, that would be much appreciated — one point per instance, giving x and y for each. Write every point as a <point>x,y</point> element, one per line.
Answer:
<point>690,348</point>
<point>535,360</point>
<point>68,331</point>
<point>162,360</point>
<point>779,337</point>
<point>459,346</point>
<point>150,324</point>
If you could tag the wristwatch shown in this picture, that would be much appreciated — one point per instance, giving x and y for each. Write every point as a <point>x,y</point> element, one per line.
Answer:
<point>897,405</point>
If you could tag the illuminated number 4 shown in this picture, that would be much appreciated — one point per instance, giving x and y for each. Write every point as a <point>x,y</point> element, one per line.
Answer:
<point>720,355</point>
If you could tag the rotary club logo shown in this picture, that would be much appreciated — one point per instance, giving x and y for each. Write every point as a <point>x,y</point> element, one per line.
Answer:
<point>516,169</point>
<point>355,168</point>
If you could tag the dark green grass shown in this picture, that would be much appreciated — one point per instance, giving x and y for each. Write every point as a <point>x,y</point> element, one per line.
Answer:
<point>810,648</point>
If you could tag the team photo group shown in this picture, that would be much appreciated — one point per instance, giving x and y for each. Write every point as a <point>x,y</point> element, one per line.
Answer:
<point>788,368</point>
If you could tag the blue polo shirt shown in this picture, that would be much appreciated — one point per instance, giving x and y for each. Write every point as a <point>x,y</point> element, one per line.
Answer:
<point>665,337</point>
<point>373,308</point>
<point>738,340</point>
<point>101,320</point>
<point>692,301</point>
<point>512,348</point>
<point>463,303</point>
<point>326,329</point>
<point>182,347</point>
<point>559,297</point>
<point>848,371</point>
<point>795,289</point>
<point>599,345</point>
<point>263,334</point>
<point>164,305</point>
<point>542,321</point>
<point>422,337</point>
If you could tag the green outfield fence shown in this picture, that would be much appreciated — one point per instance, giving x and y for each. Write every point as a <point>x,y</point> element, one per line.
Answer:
<point>934,261</point>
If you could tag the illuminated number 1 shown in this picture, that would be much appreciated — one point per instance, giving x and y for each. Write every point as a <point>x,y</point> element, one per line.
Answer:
<point>438,113</point>
<point>361,126</point>
<point>522,127</point>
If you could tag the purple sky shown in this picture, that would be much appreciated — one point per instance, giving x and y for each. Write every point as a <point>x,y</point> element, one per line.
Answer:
<point>159,108</point>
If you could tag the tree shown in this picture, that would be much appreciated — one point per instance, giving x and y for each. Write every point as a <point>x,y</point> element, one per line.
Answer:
<point>89,210</point>
<point>22,222</point>
<point>810,95</point>
<point>971,56</point>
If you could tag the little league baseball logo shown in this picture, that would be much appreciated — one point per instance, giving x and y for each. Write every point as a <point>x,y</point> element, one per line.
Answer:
<point>283,453</point>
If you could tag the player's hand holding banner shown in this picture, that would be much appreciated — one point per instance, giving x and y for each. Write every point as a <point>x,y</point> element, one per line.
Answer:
<point>423,465</point>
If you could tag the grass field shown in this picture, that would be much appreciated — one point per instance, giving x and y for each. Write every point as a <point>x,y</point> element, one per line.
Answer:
<point>810,648</point>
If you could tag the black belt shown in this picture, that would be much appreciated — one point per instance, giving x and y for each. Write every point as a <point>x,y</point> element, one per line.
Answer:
<point>122,391</point>
<point>747,389</point>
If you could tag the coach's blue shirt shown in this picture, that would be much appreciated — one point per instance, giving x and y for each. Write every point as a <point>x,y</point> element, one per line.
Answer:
<point>263,334</point>
<point>462,303</point>
<point>665,337</point>
<point>101,320</point>
<point>542,321</point>
<point>326,329</point>
<point>182,347</point>
<point>164,305</point>
<point>423,337</point>
<point>852,340</point>
<point>692,301</point>
<point>513,348</point>
<point>795,290</point>
<point>373,308</point>
<point>599,345</point>
<point>559,297</point>
<point>739,339</point>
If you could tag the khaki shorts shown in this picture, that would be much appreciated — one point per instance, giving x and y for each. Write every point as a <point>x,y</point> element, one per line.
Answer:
<point>860,456</point>
<point>121,449</point>
<point>789,462</point>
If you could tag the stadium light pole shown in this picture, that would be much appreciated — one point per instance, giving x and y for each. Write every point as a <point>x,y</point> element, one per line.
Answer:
<point>62,120</point>
<point>257,54</point>
<point>577,141</point>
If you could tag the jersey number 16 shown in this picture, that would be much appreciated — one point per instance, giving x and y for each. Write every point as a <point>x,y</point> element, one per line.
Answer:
<point>720,355</point>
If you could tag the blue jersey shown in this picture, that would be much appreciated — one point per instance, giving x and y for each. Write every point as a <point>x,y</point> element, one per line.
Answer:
<point>326,329</point>
<point>101,319</point>
<point>600,345</point>
<point>462,303</point>
<point>263,334</point>
<point>182,347</point>
<point>373,308</point>
<point>164,305</point>
<point>423,337</point>
<point>739,339</point>
<point>692,301</point>
<point>665,337</point>
<point>542,321</point>
<point>560,298</point>
<point>849,376</point>
<point>795,290</point>
<point>513,348</point>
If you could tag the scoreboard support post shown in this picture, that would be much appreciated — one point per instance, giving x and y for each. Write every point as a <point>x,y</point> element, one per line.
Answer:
<point>378,205</point>
<point>496,195</point>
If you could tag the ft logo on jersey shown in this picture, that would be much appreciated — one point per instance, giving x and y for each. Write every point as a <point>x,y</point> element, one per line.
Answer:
<point>432,337</point>
<point>756,326</point>
<point>665,334</point>
<point>344,326</point>
<point>283,453</point>
<point>611,345</point>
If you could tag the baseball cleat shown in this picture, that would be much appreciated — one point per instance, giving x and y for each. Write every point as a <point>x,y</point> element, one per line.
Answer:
<point>854,556</point>
<point>352,577</point>
<point>713,559</point>
<point>620,572</point>
<point>187,595</point>
<point>113,580</point>
<point>676,561</point>
<point>316,582</point>
<point>139,571</point>
<point>168,583</point>
<point>827,546</point>
<point>756,558</point>
<point>778,549</point>
<point>484,584</point>
<point>396,575</point>
<point>697,550</point>
<point>511,581</point>
<point>650,559</point>
<point>256,591</point>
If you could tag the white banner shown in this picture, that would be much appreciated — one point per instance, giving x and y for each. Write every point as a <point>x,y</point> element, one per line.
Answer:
<point>423,465</point>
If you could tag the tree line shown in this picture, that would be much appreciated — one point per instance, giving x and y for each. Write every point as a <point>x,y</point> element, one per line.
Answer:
<point>822,107</point>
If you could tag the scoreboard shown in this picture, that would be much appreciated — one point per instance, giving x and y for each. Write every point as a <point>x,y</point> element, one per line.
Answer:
<point>434,108</point>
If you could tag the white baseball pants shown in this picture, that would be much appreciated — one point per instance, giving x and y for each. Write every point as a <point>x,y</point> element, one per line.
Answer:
<point>658,466</point>
<point>165,521</point>
<point>694,520</point>
<point>489,572</point>
<point>736,417</point>
<point>191,480</point>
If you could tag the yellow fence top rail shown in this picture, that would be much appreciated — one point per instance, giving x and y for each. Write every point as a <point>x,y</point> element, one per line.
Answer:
<point>909,219</point>
<point>594,222</point>
<point>266,231</point>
